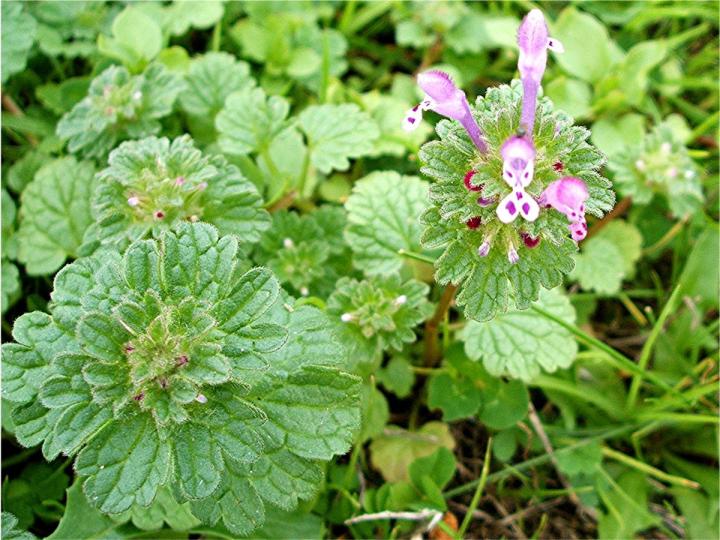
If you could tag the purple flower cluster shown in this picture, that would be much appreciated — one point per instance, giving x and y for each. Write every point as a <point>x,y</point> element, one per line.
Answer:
<point>566,195</point>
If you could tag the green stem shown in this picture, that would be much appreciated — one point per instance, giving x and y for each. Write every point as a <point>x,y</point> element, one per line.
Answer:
<point>540,460</point>
<point>416,256</point>
<point>684,398</point>
<point>305,169</point>
<point>665,240</point>
<point>347,16</point>
<point>681,418</point>
<point>216,35</point>
<point>325,71</point>
<point>679,39</point>
<point>365,15</point>
<point>345,493</point>
<point>648,346</point>
<point>704,126</point>
<point>589,395</point>
<point>478,491</point>
<point>619,359</point>
<point>648,469</point>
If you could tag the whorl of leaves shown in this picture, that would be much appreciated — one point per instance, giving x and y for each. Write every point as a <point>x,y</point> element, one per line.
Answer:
<point>153,184</point>
<point>167,367</point>
<point>490,285</point>
<point>660,164</point>
<point>119,106</point>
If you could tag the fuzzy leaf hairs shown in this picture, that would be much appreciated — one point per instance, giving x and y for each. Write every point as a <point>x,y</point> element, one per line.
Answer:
<point>513,179</point>
<point>169,369</point>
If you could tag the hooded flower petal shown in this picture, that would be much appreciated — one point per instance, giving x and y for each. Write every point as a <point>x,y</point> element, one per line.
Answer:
<point>534,41</point>
<point>443,97</point>
<point>518,155</point>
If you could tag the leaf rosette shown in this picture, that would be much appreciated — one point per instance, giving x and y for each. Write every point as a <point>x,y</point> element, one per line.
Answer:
<point>153,184</point>
<point>460,220</point>
<point>306,252</point>
<point>119,106</point>
<point>167,367</point>
<point>659,165</point>
<point>382,312</point>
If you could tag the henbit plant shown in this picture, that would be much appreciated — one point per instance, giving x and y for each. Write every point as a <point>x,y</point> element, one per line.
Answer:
<point>507,139</point>
<point>198,360</point>
<point>119,106</point>
<point>152,184</point>
<point>164,367</point>
<point>659,165</point>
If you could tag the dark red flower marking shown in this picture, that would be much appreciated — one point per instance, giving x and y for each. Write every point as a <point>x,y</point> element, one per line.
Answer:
<point>529,241</point>
<point>468,184</point>
<point>474,223</point>
<point>558,166</point>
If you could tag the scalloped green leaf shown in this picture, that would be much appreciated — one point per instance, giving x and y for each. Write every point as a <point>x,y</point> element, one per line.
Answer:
<point>383,218</point>
<point>82,520</point>
<point>17,38</point>
<point>153,184</point>
<point>306,252</point>
<point>10,529</point>
<point>325,423</point>
<point>124,464</point>
<point>600,266</point>
<point>236,502</point>
<point>337,133</point>
<point>136,39</point>
<point>26,362</point>
<point>119,106</point>
<point>522,343</point>
<point>250,120</point>
<point>381,311</point>
<point>54,214</point>
<point>11,285</point>
<point>211,78</point>
<point>659,164</point>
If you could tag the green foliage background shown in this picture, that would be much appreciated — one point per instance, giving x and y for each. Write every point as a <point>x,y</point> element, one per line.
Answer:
<point>268,134</point>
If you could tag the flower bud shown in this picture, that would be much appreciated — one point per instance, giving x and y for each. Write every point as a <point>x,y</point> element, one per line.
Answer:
<point>533,41</point>
<point>568,196</point>
<point>443,97</point>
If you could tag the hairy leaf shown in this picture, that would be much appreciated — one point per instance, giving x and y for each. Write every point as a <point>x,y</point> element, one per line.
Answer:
<point>522,343</point>
<point>55,212</point>
<point>383,214</point>
<point>337,133</point>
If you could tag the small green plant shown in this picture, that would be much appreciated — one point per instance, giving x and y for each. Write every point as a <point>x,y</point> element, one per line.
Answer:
<point>285,270</point>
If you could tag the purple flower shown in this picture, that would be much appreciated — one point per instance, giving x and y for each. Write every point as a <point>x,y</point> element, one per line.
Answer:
<point>518,155</point>
<point>484,248</point>
<point>443,97</point>
<point>534,41</point>
<point>513,256</point>
<point>568,195</point>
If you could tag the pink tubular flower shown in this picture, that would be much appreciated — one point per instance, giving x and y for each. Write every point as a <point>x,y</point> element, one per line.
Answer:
<point>518,155</point>
<point>568,195</point>
<point>534,42</point>
<point>443,97</point>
